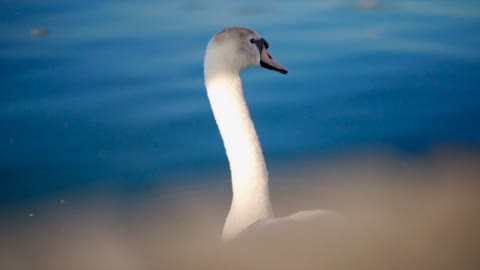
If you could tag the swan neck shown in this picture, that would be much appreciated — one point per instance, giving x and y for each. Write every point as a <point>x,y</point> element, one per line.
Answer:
<point>249,175</point>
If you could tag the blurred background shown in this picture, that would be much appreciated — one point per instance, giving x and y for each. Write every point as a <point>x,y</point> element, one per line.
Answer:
<point>109,95</point>
<point>102,103</point>
<point>112,93</point>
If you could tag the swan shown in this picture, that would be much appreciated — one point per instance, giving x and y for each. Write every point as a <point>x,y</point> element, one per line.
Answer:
<point>229,52</point>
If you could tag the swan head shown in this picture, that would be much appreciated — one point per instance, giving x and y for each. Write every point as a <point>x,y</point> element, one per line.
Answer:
<point>236,48</point>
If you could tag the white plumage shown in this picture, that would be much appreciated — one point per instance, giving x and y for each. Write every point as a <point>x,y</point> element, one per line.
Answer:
<point>228,53</point>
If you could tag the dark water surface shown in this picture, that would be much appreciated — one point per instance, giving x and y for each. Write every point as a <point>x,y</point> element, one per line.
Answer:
<point>112,94</point>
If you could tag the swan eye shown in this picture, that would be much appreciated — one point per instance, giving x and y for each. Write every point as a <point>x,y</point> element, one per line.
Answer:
<point>252,40</point>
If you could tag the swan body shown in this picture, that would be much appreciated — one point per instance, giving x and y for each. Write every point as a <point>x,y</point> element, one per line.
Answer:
<point>228,53</point>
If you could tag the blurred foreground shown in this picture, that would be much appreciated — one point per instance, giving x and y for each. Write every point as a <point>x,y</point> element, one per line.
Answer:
<point>399,214</point>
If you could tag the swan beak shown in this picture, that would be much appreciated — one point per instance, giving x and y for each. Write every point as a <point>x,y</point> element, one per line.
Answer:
<point>267,61</point>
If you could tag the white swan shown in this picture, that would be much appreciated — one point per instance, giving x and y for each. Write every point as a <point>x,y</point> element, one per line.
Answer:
<point>229,52</point>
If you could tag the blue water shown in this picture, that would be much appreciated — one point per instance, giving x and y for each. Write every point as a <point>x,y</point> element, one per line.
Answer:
<point>113,94</point>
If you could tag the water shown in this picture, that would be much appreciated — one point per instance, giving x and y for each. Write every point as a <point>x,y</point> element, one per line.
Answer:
<point>113,94</point>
